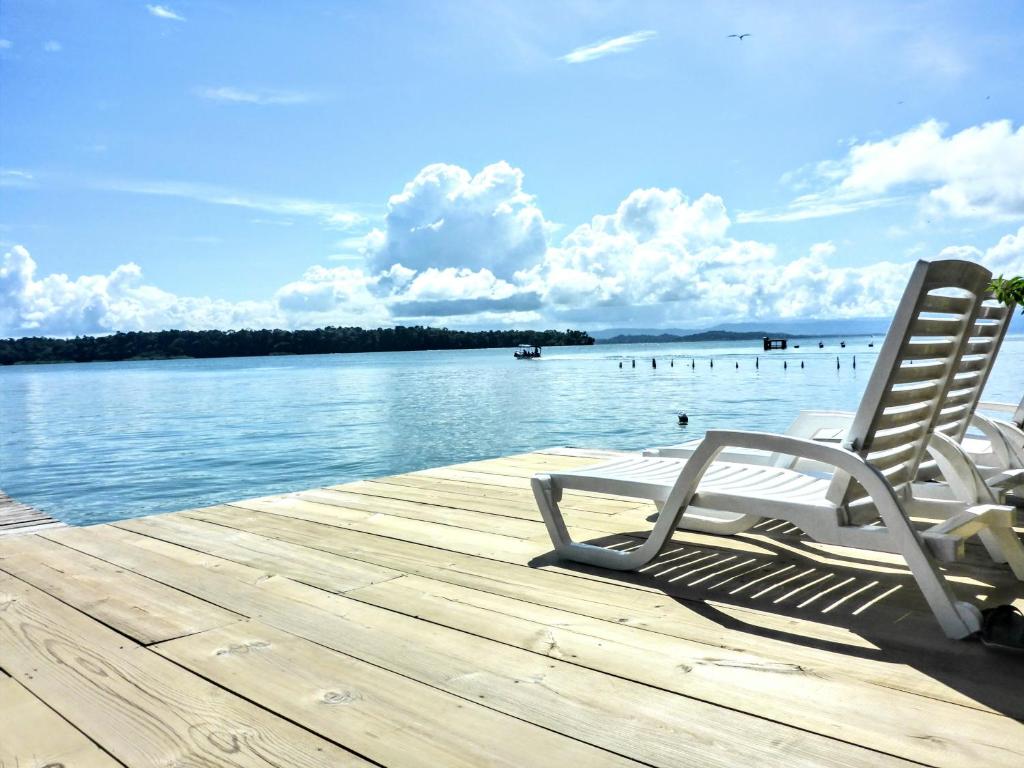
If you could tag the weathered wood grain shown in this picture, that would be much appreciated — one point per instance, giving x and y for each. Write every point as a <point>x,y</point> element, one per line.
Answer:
<point>600,709</point>
<point>138,706</point>
<point>34,736</point>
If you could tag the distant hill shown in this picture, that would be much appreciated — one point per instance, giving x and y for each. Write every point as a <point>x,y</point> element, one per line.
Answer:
<point>863,326</point>
<point>665,338</point>
<point>860,326</point>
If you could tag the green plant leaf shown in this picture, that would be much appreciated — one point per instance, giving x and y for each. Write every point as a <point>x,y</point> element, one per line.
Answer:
<point>1008,290</point>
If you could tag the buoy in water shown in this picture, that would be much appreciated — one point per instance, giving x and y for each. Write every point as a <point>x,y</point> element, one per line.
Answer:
<point>801,363</point>
<point>737,365</point>
<point>620,363</point>
<point>684,419</point>
<point>671,363</point>
<point>634,363</point>
<point>785,365</point>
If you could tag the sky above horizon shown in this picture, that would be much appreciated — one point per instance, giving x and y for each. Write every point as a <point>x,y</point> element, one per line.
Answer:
<point>492,164</point>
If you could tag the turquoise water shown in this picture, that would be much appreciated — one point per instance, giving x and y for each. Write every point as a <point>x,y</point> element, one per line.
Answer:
<point>101,441</point>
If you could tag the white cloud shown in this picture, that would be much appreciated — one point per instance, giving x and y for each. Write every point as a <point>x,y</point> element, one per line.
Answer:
<point>334,215</point>
<point>4,44</point>
<point>52,46</point>
<point>11,177</point>
<point>472,250</point>
<point>163,12</point>
<point>446,216</point>
<point>975,173</point>
<point>332,296</point>
<point>1004,258</point>
<point>234,95</point>
<point>59,305</point>
<point>607,47</point>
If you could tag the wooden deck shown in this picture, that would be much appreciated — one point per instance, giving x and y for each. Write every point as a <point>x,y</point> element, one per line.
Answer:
<point>420,620</point>
<point>17,518</point>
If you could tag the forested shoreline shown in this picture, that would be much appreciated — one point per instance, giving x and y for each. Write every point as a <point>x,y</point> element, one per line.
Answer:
<point>161,345</point>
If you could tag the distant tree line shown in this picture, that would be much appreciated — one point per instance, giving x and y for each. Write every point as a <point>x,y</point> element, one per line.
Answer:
<point>158,345</point>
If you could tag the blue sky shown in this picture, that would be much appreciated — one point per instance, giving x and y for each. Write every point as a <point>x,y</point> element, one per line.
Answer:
<point>486,164</point>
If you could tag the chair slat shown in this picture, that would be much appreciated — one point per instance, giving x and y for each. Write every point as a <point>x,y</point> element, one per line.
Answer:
<point>889,440</point>
<point>953,304</point>
<point>928,326</point>
<point>909,374</point>
<point>915,395</point>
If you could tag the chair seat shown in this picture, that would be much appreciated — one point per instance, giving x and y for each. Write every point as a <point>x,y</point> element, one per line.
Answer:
<point>978,446</point>
<point>653,477</point>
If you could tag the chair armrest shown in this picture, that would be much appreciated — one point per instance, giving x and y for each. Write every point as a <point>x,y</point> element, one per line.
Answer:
<point>959,471</point>
<point>990,429</point>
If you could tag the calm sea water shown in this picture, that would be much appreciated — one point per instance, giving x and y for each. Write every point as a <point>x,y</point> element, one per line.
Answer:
<point>101,441</point>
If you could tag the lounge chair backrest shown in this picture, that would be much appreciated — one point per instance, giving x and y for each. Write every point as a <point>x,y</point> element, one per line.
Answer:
<point>1018,415</point>
<point>975,366</point>
<point>914,372</point>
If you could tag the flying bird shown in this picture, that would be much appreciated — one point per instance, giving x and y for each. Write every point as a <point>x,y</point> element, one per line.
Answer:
<point>740,37</point>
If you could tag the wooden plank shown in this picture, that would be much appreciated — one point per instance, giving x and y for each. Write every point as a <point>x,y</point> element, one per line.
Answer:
<point>136,705</point>
<point>493,542</point>
<point>519,493</point>
<point>34,736</point>
<point>961,676</point>
<point>141,608</point>
<point>485,544</point>
<point>520,528</point>
<point>386,717</point>
<point>523,509</point>
<point>882,719</point>
<point>17,518</point>
<point>811,698</point>
<point>270,556</point>
<point>580,703</point>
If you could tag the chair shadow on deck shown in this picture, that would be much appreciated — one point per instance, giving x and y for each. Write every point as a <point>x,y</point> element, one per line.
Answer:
<point>777,571</point>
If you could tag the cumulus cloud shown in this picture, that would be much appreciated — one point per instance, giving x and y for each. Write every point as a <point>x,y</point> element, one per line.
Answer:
<point>602,48</point>
<point>119,301</point>
<point>475,250</point>
<point>1004,258</point>
<point>975,173</point>
<point>447,216</point>
<point>163,12</point>
<point>52,46</point>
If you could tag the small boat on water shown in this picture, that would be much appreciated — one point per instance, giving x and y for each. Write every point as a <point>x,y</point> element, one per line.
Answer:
<point>526,352</point>
<point>821,345</point>
<point>842,344</point>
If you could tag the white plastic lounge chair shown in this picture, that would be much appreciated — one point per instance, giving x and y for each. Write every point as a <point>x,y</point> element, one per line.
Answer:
<point>1003,441</point>
<point>862,504</point>
<point>994,457</point>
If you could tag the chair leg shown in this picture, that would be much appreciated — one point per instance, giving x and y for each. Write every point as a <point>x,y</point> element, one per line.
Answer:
<point>548,495</point>
<point>1004,546</point>
<point>958,619</point>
